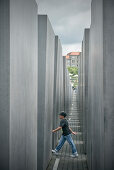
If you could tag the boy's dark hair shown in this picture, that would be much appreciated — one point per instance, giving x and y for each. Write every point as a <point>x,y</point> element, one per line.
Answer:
<point>63,114</point>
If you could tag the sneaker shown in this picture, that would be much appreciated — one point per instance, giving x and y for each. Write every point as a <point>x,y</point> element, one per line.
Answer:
<point>74,155</point>
<point>55,152</point>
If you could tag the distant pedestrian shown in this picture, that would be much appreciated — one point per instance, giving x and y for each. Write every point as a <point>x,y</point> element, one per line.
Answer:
<point>65,136</point>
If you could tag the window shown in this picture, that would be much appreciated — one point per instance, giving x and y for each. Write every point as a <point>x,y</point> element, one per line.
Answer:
<point>73,57</point>
<point>73,61</point>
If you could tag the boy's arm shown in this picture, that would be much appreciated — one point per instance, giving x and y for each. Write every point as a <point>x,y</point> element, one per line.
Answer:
<point>57,129</point>
<point>74,133</point>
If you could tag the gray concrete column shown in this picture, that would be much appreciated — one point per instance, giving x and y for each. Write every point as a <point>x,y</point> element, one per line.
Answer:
<point>46,44</point>
<point>58,95</point>
<point>64,78</point>
<point>85,52</point>
<point>68,91</point>
<point>101,86</point>
<point>18,84</point>
<point>80,83</point>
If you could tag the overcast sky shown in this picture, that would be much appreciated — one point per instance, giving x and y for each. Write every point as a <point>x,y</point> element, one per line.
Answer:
<point>68,19</point>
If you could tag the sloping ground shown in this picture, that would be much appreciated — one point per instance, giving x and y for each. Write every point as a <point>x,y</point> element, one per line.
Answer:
<point>65,161</point>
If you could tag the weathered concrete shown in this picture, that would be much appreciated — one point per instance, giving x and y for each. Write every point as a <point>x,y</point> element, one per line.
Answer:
<point>4,84</point>
<point>85,58</point>
<point>46,44</point>
<point>108,81</point>
<point>101,83</point>
<point>58,95</point>
<point>68,91</point>
<point>99,119</point>
<point>18,85</point>
<point>64,78</point>
<point>80,84</point>
<point>67,86</point>
<point>96,87</point>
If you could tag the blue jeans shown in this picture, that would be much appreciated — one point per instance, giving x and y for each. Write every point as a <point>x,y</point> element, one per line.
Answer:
<point>69,140</point>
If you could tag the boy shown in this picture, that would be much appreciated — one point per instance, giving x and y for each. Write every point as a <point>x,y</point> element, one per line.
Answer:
<point>65,136</point>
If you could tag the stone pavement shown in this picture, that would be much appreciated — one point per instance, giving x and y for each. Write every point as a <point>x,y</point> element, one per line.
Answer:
<point>65,161</point>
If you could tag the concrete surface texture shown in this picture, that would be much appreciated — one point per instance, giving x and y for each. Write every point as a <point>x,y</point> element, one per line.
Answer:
<point>18,84</point>
<point>96,88</point>
<point>4,84</point>
<point>64,77</point>
<point>67,86</point>
<point>100,117</point>
<point>80,82</point>
<point>85,58</point>
<point>58,95</point>
<point>46,45</point>
<point>68,91</point>
<point>108,81</point>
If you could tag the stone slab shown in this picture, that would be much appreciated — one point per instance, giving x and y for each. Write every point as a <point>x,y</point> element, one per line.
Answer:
<point>18,84</point>
<point>46,44</point>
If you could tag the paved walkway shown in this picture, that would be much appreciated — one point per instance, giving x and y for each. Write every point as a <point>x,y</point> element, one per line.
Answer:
<point>63,161</point>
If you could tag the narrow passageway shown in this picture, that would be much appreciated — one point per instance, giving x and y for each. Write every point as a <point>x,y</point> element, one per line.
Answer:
<point>63,161</point>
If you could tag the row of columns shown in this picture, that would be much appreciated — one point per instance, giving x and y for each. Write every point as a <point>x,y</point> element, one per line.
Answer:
<point>33,87</point>
<point>96,86</point>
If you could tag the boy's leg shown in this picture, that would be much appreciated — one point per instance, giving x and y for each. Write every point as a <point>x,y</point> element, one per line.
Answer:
<point>70,141</point>
<point>61,143</point>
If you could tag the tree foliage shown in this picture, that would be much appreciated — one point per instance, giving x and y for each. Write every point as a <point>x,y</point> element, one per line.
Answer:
<point>74,79</point>
<point>73,70</point>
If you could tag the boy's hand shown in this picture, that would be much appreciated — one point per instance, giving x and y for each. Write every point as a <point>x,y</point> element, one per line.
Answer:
<point>55,130</point>
<point>74,133</point>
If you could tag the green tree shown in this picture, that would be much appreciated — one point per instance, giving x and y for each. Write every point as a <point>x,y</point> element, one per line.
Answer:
<point>74,79</point>
<point>73,70</point>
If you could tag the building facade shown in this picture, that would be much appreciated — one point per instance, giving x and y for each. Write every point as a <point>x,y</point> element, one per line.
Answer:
<point>73,59</point>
